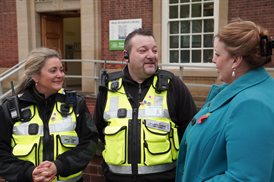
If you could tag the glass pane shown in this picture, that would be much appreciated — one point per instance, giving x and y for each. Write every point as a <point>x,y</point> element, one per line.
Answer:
<point>208,40</point>
<point>196,41</point>
<point>173,12</point>
<point>196,56</point>
<point>197,26</point>
<point>208,25</point>
<point>174,27</point>
<point>185,27</point>
<point>173,1</point>
<point>196,10</point>
<point>208,54</point>
<point>184,1</point>
<point>208,9</point>
<point>196,0</point>
<point>185,41</point>
<point>184,11</point>
<point>184,56</point>
<point>174,41</point>
<point>174,56</point>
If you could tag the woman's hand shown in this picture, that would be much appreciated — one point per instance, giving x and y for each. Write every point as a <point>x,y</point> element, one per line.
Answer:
<point>45,172</point>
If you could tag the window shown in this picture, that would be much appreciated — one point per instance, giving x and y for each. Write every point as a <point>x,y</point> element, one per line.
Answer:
<point>190,30</point>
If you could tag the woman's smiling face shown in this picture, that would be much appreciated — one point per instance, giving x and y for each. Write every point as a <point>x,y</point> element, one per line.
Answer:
<point>51,77</point>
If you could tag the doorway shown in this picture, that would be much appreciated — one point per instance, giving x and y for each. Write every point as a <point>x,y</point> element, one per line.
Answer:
<point>62,31</point>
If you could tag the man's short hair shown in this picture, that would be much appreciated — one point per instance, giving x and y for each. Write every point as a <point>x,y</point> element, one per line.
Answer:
<point>139,31</point>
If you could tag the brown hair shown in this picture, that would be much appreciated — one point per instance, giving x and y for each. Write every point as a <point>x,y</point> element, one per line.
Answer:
<point>243,38</point>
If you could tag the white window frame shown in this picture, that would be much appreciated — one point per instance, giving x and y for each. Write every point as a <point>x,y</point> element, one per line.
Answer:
<point>165,27</point>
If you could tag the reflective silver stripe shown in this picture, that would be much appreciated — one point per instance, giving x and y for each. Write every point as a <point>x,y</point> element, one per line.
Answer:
<point>23,129</point>
<point>72,179</point>
<point>63,126</point>
<point>163,114</point>
<point>113,103</point>
<point>142,169</point>
<point>141,114</point>
<point>113,114</point>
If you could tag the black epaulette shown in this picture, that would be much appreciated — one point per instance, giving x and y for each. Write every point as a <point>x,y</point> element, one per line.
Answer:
<point>163,79</point>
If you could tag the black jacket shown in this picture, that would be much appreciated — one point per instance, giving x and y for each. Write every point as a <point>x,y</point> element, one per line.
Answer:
<point>70,162</point>
<point>180,102</point>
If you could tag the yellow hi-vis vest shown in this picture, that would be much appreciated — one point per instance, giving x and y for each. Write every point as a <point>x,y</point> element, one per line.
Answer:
<point>159,141</point>
<point>29,147</point>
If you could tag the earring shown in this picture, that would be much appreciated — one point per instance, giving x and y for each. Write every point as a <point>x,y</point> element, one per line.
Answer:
<point>234,73</point>
<point>36,83</point>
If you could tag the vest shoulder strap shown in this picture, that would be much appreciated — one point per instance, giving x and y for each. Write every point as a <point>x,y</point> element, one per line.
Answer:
<point>115,75</point>
<point>163,79</point>
<point>115,82</point>
<point>73,100</point>
<point>165,73</point>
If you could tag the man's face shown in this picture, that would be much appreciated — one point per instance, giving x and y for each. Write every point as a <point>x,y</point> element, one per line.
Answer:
<point>143,57</point>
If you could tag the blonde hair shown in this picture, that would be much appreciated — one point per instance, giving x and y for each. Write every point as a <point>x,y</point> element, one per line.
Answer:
<point>243,38</point>
<point>34,63</point>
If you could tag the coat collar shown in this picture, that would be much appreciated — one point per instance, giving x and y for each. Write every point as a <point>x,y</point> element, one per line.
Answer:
<point>127,78</point>
<point>32,96</point>
<point>219,95</point>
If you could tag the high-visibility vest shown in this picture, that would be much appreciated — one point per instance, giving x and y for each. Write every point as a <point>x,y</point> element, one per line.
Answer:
<point>157,138</point>
<point>27,137</point>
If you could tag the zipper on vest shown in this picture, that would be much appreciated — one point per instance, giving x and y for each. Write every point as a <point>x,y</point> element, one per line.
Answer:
<point>134,150</point>
<point>48,153</point>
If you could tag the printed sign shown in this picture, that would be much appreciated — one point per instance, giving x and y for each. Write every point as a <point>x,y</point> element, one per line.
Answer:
<point>119,29</point>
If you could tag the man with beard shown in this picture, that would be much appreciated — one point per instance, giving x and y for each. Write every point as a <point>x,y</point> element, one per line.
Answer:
<point>141,114</point>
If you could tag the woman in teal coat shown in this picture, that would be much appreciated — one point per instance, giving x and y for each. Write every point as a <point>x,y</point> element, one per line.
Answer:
<point>232,137</point>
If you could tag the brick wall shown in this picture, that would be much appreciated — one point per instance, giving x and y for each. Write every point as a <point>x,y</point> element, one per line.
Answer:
<point>8,34</point>
<point>93,172</point>
<point>122,9</point>
<point>259,11</point>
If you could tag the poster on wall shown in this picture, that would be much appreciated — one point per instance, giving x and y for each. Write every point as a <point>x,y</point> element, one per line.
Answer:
<point>119,29</point>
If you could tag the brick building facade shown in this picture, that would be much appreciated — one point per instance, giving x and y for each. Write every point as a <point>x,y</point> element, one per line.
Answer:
<point>8,34</point>
<point>95,38</point>
<point>260,12</point>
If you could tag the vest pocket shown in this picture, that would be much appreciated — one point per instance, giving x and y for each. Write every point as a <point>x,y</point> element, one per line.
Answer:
<point>65,143</point>
<point>157,146</point>
<point>175,143</point>
<point>27,152</point>
<point>115,145</point>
